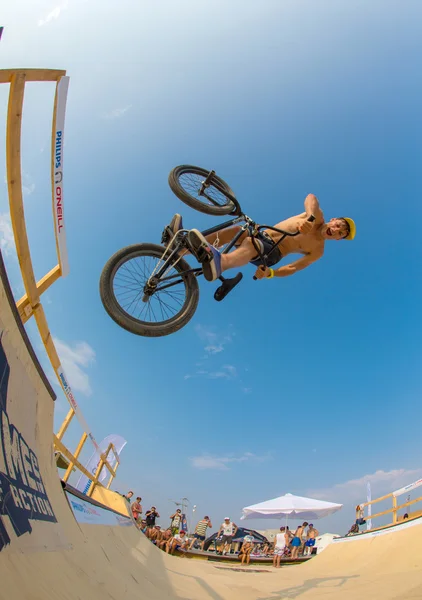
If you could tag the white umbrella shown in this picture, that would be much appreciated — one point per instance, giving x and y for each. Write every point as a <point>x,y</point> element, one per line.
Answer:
<point>290,506</point>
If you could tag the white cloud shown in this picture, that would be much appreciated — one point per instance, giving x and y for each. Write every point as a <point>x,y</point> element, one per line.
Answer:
<point>73,360</point>
<point>225,372</point>
<point>214,342</point>
<point>382,482</point>
<point>7,240</point>
<point>116,113</point>
<point>220,463</point>
<point>212,349</point>
<point>54,14</point>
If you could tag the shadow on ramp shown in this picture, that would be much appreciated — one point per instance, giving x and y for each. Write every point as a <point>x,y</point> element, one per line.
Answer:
<point>328,583</point>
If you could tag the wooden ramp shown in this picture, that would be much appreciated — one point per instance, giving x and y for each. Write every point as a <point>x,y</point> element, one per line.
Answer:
<point>46,554</point>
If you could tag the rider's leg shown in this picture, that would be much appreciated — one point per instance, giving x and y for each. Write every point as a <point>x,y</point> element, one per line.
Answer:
<point>239,257</point>
<point>213,262</point>
<point>224,237</point>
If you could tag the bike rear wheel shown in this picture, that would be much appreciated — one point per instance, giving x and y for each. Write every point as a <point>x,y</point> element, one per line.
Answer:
<point>186,182</point>
<point>122,284</point>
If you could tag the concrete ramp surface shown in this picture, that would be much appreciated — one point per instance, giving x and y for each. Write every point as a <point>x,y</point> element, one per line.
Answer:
<point>46,554</point>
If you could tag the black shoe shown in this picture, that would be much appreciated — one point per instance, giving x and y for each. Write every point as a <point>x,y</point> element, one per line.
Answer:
<point>207,255</point>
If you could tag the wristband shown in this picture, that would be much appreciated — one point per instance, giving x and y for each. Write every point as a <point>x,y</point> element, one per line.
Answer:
<point>271,274</point>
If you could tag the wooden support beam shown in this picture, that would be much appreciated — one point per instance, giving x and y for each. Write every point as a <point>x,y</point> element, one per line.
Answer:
<point>6,75</point>
<point>76,455</point>
<point>24,306</point>
<point>45,334</point>
<point>363,504</point>
<point>394,509</point>
<point>60,446</point>
<point>65,424</point>
<point>14,183</point>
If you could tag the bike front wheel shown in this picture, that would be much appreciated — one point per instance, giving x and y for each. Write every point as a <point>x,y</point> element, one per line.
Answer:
<point>122,291</point>
<point>214,198</point>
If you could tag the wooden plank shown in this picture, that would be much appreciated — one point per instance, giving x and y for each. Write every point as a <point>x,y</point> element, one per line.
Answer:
<point>384,512</point>
<point>24,306</point>
<point>76,455</point>
<point>45,334</point>
<point>60,446</point>
<point>394,510</point>
<point>104,457</point>
<point>6,75</point>
<point>409,503</point>
<point>363,504</point>
<point>14,182</point>
<point>65,424</point>
<point>100,466</point>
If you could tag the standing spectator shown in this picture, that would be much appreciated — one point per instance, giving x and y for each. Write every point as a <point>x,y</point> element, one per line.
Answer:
<point>282,541</point>
<point>150,516</point>
<point>176,519</point>
<point>137,509</point>
<point>304,538</point>
<point>228,529</point>
<point>310,542</point>
<point>297,541</point>
<point>201,532</point>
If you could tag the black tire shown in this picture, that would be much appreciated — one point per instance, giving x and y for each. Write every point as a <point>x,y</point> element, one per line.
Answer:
<point>131,323</point>
<point>226,207</point>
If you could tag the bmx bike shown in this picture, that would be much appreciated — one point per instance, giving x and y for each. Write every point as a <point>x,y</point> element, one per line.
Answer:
<point>152,291</point>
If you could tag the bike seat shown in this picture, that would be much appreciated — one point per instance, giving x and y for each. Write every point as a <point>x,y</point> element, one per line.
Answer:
<point>227,286</point>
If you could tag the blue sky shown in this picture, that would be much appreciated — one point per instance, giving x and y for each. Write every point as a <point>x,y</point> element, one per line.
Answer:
<point>301,385</point>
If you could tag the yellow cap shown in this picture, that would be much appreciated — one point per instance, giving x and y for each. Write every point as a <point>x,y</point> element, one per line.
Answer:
<point>352,226</point>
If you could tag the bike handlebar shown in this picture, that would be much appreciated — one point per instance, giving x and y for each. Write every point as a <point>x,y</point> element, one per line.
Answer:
<point>285,233</point>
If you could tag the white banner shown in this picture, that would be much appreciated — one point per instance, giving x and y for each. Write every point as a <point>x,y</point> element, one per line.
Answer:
<point>368,499</point>
<point>68,391</point>
<point>408,488</point>
<point>57,173</point>
<point>119,443</point>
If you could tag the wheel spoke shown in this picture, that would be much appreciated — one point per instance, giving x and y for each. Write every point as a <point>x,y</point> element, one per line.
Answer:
<point>192,182</point>
<point>129,281</point>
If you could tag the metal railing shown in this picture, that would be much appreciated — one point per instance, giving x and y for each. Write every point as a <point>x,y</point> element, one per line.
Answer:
<point>30,304</point>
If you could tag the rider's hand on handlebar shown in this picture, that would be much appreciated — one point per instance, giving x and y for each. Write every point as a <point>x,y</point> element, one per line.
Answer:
<point>262,272</point>
<point>306,226</point>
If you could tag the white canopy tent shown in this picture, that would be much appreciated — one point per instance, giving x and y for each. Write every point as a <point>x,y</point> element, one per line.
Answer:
<point>296,507</point>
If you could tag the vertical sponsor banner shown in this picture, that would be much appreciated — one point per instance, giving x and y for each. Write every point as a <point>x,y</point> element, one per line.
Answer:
<point>368,499</point>
<point>57,172</point>
<point>184,523</point>
<point>119,443</point>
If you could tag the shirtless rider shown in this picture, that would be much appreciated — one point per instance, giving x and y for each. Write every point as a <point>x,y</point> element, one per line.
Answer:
<point>310,242</point>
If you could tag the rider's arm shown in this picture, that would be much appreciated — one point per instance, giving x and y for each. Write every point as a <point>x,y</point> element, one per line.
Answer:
<point>298,265</point>
<point>312,207</point>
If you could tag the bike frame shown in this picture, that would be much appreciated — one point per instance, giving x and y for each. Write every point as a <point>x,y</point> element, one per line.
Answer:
<point>249,227</point>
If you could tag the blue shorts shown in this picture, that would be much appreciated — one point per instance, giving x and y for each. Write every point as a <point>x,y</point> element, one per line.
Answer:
<point>310,543</point>
<point>296,543</point>
<point>266,243</point>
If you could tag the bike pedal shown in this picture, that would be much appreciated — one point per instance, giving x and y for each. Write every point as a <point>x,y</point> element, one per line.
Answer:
<point>165,236</point>
<point>203,254</point>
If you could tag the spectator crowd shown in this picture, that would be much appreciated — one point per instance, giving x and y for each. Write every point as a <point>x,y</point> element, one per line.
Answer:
<point>287,544</point>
